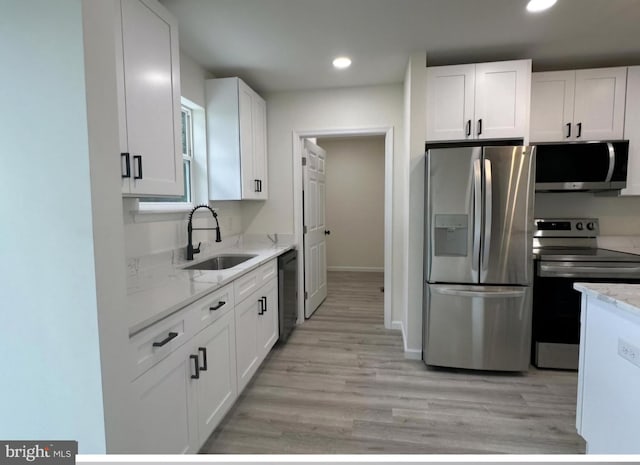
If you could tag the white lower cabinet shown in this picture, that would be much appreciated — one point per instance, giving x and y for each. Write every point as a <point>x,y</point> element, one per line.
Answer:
<point>189,368</point>
<point>165,402</point>
<point>256,330</point>
<point>216,389</point>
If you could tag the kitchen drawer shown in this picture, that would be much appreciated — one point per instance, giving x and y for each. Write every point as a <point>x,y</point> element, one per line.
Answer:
<point>213,306</point>
<point>171,332</point>
<point>250,282</point>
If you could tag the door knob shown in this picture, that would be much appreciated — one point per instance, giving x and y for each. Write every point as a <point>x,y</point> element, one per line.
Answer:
<point>327,232</point>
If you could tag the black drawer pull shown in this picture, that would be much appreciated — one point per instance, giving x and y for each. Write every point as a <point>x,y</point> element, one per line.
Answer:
<point>196,364</point>
<point>166,340</point>
<point>262,306</point>
<point>568,130</point>
<point>579,130</point>
<point>203,351</point>
<point>480,126</point>
<point>468,127</point>
<point>217,307</point>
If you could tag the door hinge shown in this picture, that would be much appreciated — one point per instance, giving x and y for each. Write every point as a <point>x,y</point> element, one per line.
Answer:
<point>306,295</point>
<point>304,230</point>
<point>304,161</point>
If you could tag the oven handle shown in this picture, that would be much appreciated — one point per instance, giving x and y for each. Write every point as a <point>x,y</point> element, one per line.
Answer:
<point>585,271</point>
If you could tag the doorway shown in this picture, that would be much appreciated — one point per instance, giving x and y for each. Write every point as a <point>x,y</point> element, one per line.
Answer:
<point>385,210</point>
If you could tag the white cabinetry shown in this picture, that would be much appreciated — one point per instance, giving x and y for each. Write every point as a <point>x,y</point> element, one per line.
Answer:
<point>632,131</point>
<point>237,141</point>
<point>256,321</point>
<point>478,101</point>
<point>608,411</point>
<point>149,99</point>
<point>578,105</point>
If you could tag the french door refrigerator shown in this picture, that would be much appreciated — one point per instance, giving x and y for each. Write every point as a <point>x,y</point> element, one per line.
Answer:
<point>478,257</point>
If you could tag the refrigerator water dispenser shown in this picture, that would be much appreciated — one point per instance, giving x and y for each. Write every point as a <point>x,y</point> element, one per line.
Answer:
<point>450,235</point>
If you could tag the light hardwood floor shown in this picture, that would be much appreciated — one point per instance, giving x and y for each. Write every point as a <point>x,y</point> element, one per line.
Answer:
<point>341,384</point>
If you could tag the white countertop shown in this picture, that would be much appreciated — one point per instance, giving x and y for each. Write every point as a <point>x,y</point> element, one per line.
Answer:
<point>169,288</point>
<point>623,296</point>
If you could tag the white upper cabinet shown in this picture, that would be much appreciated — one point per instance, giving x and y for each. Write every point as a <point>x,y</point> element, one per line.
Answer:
<point>237,141</point>
<point>478,101</point>
<point>632,131</point>
<point>578,105</point>
<point>149,99</point>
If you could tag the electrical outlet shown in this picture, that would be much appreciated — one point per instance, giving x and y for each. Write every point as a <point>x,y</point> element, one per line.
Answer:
<point>628,351</point>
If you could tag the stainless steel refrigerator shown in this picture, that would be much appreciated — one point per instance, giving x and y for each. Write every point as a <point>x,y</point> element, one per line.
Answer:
<point>478,257</point>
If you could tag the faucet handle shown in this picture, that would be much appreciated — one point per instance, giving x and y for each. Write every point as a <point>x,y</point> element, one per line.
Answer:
<point>197,249</point>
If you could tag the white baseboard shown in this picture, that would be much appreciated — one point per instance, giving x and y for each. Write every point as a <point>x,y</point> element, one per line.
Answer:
<point>368,269</point>
<point>410,354</point>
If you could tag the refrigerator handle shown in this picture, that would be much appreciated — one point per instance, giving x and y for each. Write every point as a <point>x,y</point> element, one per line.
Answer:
<point>477,215</point>
<point>486,243</point>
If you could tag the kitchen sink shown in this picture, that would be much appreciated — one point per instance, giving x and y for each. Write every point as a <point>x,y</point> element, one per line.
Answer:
<point>220,262</point>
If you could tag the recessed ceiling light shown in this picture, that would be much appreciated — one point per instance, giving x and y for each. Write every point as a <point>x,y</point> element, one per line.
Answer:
<point>534,6</point>
<point>342,62</point>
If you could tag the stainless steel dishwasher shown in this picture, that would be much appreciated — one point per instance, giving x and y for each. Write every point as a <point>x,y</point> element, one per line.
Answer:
<point>287,293</point>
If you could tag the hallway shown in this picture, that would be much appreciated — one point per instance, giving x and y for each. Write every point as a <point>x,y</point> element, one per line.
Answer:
<point>342,385</point>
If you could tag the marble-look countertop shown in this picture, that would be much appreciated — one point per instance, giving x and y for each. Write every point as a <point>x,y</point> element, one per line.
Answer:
<point>623,296</point>
<point>170,288</point>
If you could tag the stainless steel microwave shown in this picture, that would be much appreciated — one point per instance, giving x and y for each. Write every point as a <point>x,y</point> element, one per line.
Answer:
<point>583,166</point>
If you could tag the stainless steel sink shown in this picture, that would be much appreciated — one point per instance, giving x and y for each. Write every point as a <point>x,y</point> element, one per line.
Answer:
<point>220,262</point>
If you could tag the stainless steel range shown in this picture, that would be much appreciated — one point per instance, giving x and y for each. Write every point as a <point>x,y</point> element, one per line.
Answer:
<point>565,252</point>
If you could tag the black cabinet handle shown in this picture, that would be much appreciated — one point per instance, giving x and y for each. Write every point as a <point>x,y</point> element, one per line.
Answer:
<point>260,184</point>
<point>579,130</point>
<point>266,306</point>
<point>568,130</point>
<point>203,351</point>
<point>217,307</point>
<point>257,185</point>
<point>263,308</point>
<point>468,127</point>
<point>170,336</point>
<point>480,126</point>
<point>127,164</point>
<point>139,158</point>
<point>327,232</point>
<point>196,365</point>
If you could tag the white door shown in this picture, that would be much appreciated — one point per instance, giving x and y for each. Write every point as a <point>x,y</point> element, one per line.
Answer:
<point>631,129</point>
<point>503,95</point>
<point>246,314</point>
<point>450,97</point>
<point>599,108</point>
<point>216,388</point>
<point>552,97</point>
<point>249,183</point>
<point>151,99</point>
<point>268,329</point>
<point>315,244</point>
<point>259,115</point>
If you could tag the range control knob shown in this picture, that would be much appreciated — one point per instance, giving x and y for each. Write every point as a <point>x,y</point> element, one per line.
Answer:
<point>579,226</point>
<point>591,226</point>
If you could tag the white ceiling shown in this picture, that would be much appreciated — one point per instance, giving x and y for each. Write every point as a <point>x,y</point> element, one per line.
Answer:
<point>279,45</point>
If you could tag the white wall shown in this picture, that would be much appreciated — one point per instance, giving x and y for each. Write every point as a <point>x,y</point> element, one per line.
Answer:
<point>619,216</point>
<point>355,202</point>
<point>335,109</point>
<point>51,383</point>
<point>152,233</point>
<point>415,122</point>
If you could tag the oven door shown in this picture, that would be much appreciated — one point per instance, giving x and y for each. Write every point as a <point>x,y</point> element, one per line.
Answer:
<point>556,306</point>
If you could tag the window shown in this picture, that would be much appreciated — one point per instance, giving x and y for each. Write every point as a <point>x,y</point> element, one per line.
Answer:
<point>187,166</point>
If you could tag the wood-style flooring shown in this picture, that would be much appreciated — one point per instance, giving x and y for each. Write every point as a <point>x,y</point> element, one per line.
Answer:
<point>341,384</point>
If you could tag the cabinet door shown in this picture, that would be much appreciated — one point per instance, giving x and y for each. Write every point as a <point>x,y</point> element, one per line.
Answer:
<point>150,98</point>
<point>268,329</point>
<point>249,184</point>
<point>632,131</point>
<point>259,115</point>
<point>216,389</point>
<point>552,99</point>
<point>247,362</point>
<point>450,100</point>
<point>599,103</point>
<point>503,93</point>
<point>164,399</point>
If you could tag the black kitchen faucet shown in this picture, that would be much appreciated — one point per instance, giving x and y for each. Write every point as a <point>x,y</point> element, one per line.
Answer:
<point>194,250</point>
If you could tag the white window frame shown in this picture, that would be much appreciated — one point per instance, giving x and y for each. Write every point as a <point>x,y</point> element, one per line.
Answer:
<point>197,165</point>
